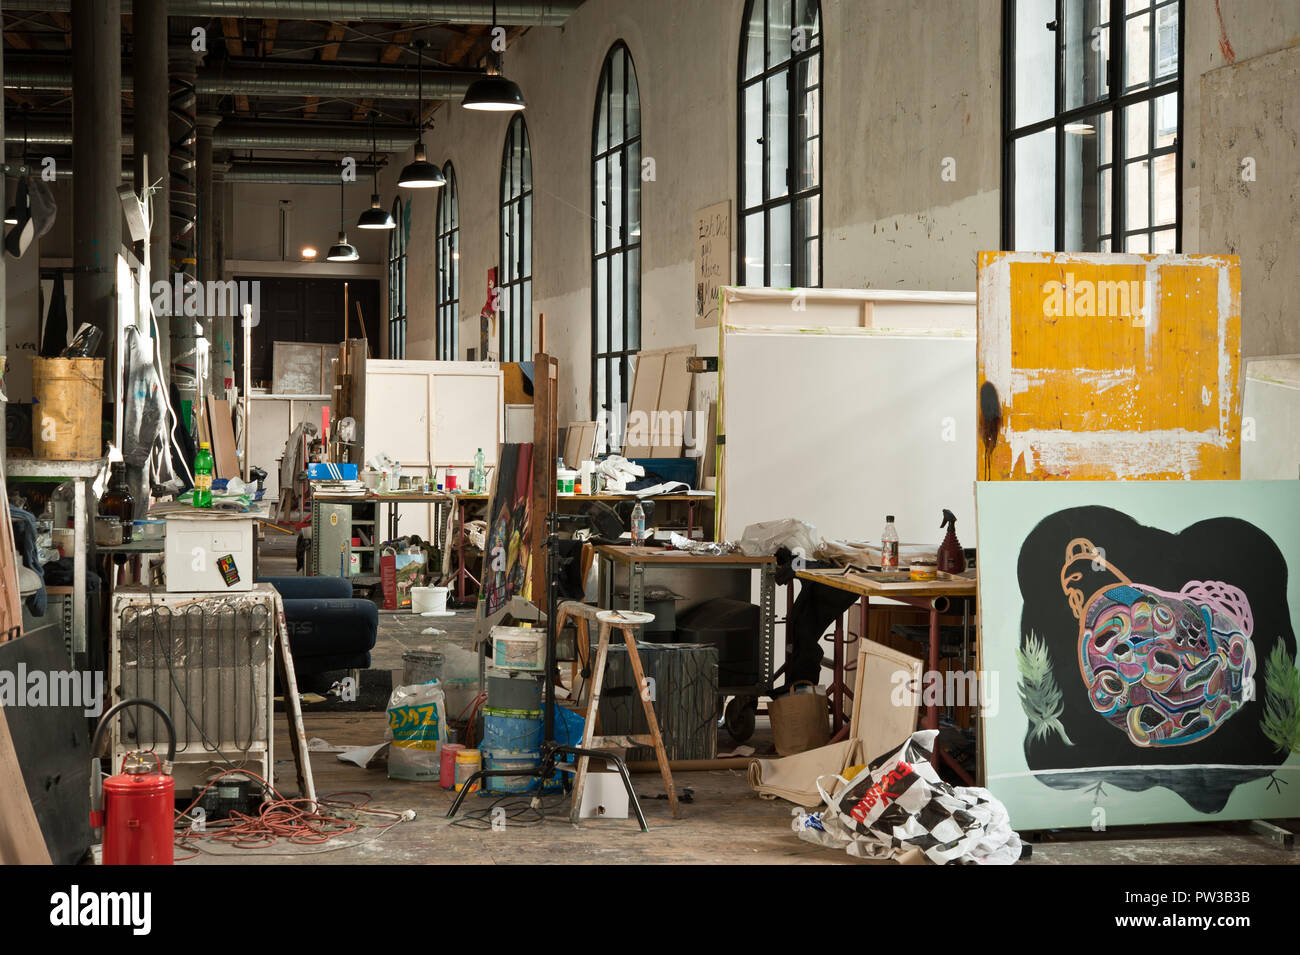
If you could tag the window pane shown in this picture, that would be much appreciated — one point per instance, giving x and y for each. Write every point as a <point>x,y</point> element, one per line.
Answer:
<point>1035,193</point>
<point>1166,120</point>
<point>807,17</point>
<point>616,117</point>
<point>525,236</point>
<point>777,136</point>
<point>778,32</point>
<point>779,223</point>
<point>615,211</point>
<point>601,237</point>
<point>602,116</point>
<point>616,316</point>
<point>1087,203</point>
<point>634,191</point>
<point>1164,241</point>
<point>1165,192</point>
<point>602,369</point>
<point>1137,51</point>
<point>1136,194</point>
<point>1086,41</point>
<point>1167,41</point>
<point>634,300</point>
<point>1137,129</point>
<point>807,231</point>
<point>753,41</point>
<point>1140,243</point>
<point>633,100</point>
<point>753,269</point>
<point>602,306</point>
<point>1035,61</point>
<point>808,123</point>
<point>753,126</point>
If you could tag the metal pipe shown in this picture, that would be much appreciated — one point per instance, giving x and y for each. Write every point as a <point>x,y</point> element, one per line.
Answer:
<point>149,75</point>
<point>246,76</point>
<point>304,137</point>
<point>306,174</point>
<point>523,13</point>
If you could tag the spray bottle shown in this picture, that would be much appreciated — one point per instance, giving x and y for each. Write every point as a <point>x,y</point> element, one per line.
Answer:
<point>951,558</point>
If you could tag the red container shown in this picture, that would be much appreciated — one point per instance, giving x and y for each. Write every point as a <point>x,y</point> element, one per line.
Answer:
<point>139,818</point>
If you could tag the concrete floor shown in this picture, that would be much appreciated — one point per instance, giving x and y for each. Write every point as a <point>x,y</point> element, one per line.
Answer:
<point>726,823</point>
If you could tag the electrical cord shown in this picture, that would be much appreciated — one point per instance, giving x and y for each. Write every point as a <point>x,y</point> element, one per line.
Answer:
<point>519,812</point>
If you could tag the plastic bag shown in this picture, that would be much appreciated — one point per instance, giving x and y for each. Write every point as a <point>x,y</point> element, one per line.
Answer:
<point>762,540</point>
<point>417,728</point>
<point>902,804</point>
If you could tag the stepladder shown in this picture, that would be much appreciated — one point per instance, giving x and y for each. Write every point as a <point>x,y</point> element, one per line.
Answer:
<point>626,623</point>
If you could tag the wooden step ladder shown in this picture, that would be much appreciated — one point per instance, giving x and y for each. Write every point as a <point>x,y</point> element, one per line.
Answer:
<point>626,622</point>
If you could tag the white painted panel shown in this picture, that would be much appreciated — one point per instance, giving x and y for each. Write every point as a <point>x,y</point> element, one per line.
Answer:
<point>1270,425</point>
<point>398,415</point>
<point>467,415</point>
<point>841,428</point>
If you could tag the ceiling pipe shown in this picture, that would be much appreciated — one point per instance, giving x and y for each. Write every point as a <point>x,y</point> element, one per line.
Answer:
<point>245,77</point>
<point>303,174</point>
<point>520,13</point>
<point>235,134</point>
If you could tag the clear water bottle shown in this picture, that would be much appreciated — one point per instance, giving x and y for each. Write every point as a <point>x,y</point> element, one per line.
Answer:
<point>478,480</point>
<point>638,523</point>
<point>889,545</point>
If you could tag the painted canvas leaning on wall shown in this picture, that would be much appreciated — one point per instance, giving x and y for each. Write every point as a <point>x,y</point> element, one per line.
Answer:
<point>1144,634</point>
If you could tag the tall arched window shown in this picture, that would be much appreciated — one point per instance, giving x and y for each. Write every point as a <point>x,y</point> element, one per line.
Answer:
<point>397,279</point>
<point>778,237</point>
<point>448,292</point>
<point>615,234</point>
<point>515,278</point>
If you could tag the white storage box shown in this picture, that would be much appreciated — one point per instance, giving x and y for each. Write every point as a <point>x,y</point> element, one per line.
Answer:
<point>206,553</point>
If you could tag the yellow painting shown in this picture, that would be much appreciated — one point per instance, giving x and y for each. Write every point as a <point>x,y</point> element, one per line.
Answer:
<point>1109,366</point>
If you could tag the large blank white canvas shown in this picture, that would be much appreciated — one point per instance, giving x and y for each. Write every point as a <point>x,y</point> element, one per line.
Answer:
<point>840,429</point>
<point>1270,420</point>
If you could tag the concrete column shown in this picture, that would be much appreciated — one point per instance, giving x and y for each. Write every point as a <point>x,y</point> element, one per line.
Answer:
<point>182,71</point>
<point>97,157</point>
<point>4,445</point>
<point>151,89</point>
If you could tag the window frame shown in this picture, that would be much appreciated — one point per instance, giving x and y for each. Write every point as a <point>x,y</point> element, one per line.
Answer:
<point>447,274</point>
<point>514,285</point>
<point>1115,104</point>
<point>615,252</point>
<point>794,151</point>
<point>397,244</point>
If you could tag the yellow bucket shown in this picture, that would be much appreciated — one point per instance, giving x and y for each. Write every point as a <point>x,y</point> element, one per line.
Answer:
<point>67,408</point>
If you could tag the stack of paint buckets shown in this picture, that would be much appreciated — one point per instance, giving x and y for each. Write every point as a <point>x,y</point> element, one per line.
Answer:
<point>512,718</point>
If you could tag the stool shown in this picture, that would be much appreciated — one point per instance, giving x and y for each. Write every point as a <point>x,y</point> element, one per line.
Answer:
<point>626,622</point>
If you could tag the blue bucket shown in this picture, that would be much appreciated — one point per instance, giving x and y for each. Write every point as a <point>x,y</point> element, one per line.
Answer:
<point>511,731</point>
<point>510,784</point>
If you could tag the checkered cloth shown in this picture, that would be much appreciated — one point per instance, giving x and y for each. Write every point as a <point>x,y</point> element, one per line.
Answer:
<point>901,804</point>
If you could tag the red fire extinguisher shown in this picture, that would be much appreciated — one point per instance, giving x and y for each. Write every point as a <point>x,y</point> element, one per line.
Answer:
<point>136,808</point>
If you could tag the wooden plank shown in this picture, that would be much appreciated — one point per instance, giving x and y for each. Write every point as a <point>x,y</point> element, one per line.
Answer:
<point>21,842</point>
<point>11,609</point>
<point>293,704</point>
<point>546,399</point>
<point>876,720</point>
<point>642,402</point>
<point>223,438</point>
<point>674,399</point>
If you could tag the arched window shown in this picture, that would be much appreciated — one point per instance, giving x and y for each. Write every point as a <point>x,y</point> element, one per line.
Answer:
<point>1091,144</point>
<point>778,237</point>
<point>397,279</point>
<point>448,291</point>
<point>615,235</point>
<point>515,278</point>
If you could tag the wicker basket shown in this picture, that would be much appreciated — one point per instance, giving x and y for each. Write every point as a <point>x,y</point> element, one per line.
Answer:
<point>800,721</point>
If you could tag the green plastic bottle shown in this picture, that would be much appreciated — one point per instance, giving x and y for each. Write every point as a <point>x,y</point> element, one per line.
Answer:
<point>203,476</point>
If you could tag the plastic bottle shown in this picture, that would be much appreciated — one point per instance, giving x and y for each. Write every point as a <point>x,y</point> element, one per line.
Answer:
<point>203,476</point>
<point>479,479</point>
<point>889,545</point>
<point>638,523</point>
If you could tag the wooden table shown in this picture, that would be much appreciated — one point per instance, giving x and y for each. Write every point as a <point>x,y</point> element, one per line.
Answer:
<point>640,559</point>
<point>690,500</point>
<point>930,595</point>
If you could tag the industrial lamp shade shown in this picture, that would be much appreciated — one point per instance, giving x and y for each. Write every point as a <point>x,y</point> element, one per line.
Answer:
<point>341,251</point>
<point>375,217</point>
<point>419,173</point>
<point>494,94</point>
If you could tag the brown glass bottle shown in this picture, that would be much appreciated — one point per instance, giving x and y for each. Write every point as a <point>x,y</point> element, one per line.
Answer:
<point>117,500</point>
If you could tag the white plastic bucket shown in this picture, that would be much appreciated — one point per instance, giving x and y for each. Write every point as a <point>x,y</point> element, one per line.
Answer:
<point>429,599</point>
<point>519,648</point>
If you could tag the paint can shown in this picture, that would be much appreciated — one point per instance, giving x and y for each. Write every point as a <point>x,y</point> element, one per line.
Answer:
<point>517,692</point>
<point>511,761</point>
<point>519,648</point>
<point>447,768</point>
<point>512,731</point>
<point>429,599</point>
<point>421,666</point>
<point>924,570</point>
<point>468,762</point>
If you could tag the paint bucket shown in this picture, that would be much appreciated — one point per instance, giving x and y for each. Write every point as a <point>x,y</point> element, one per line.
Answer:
<point>512,731</point>
<point>429,599</point>
<point>519,648</point>
<point>522,692</point>
<point>564,480</point>
<point>511,761</point>
<point>67,408</point>
<point>447,768</point>
<point>468,762</point>
<point>422,666</point>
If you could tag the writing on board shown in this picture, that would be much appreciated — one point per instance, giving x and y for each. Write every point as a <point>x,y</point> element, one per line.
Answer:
<point>712,260</point>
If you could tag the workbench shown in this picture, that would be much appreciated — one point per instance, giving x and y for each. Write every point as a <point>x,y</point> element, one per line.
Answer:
<point>933,596</point>
<point>702,500</point>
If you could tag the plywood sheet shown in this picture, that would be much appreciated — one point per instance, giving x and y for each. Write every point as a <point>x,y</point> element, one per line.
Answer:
<point>881,725</point>
<point>1111,366</point>
<point>223,438</point>
<point>843,427</point>
<point>642,402</point>
<point>674,398</point>
<point>302,368</point>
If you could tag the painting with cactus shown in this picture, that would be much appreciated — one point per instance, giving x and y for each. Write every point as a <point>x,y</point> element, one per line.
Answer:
<point>1149,632</point>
